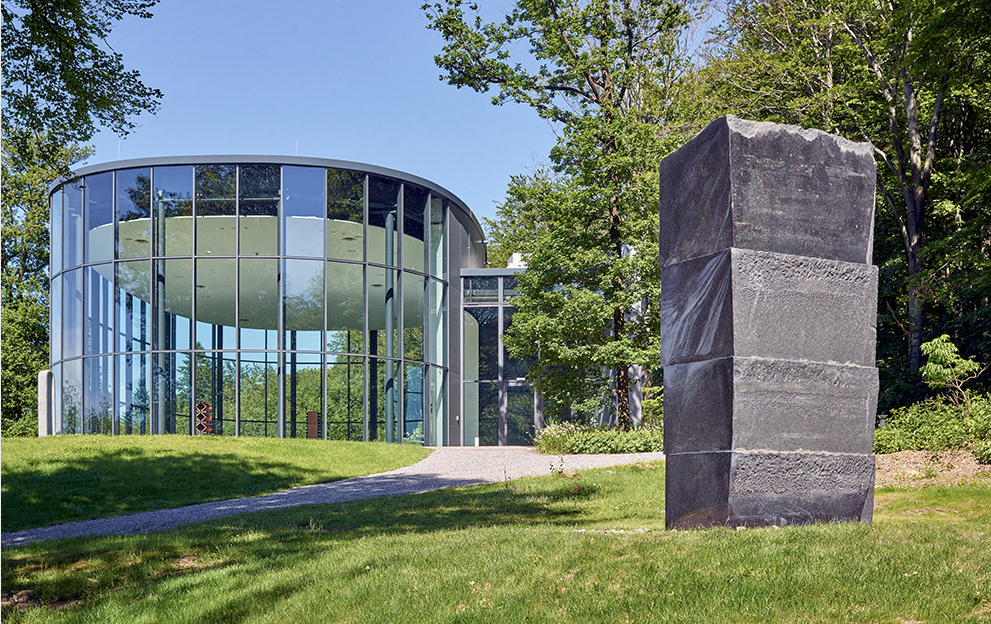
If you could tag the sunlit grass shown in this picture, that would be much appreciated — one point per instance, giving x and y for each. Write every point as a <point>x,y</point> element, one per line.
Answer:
<point>551,549</point>
<point>58,479</point>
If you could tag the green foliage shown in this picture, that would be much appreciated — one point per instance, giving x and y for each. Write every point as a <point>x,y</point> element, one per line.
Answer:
<point>568,438</point>
<point>945,368</point>
<point>935,425</point>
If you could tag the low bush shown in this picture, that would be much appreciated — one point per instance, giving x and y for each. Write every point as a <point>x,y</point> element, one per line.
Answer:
<point>575,438</point>
<point>936,425</point>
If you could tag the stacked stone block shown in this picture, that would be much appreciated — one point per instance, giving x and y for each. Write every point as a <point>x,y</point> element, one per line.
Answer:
<point>768,311</point>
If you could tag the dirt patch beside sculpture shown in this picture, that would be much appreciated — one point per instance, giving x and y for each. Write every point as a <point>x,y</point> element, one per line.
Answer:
<point>922,468</point>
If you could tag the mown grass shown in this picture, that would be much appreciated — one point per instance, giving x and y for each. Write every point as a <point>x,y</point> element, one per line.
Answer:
<point>531,550</point>
<point>59,479</point>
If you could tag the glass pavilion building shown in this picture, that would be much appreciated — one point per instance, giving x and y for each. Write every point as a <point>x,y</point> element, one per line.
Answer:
<point>276,296</point>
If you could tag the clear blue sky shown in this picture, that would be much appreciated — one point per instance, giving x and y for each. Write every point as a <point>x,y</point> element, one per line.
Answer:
<point>353,80</point>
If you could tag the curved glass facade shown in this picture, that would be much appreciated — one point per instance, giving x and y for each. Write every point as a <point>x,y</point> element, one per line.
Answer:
<point>285,297</point>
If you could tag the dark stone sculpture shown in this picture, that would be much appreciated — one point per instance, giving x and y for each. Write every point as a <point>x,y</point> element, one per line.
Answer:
<point>768,307</point>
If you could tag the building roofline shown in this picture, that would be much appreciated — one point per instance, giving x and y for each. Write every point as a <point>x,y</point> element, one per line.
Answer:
<point>250,159</point>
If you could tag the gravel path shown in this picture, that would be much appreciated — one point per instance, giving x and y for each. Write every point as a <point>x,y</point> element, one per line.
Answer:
<point>444,467</point>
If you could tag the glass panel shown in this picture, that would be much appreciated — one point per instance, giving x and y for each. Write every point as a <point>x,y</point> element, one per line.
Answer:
<point>346,307</point>
<point>413,402</point>
<point>415,206</point>
<point>258,193</point>
<point>57,391</point>
<point>98,399</point>
<point>55,322</point>
<point>303,204</point>
<point>72,314</point>
<point>438,323</point>
<point>133,395</point>
<point>99,306</point>
<point>215,209</point>
<point>438,406</point>
<point>509,287</point>
<point>414,304</point>
<point>98,195</point>
<point>345,398</point>
<point>133,310</point>
<point>345,214</point>
<point>72,236</point>
<point>438,238</point>
<point>56,232</point>
<point>171,386</point>
<point>72,396</point>
<point>258,304</point>
<point>383,312</point>
<point>383,216</point>
<point>481,289</point>
<point>173,211</point>
<point>513,368</point>
<point>260,393</point>
<point>383,398</point>
<point>215,304</point>
<point>303,301</point>
<point>133,196</point>
<point>215,387</point>
<point>481,413</point>
<point>481,344</point>
<point>519,416</point>
<point>174,304</point>
<point>304,395</point>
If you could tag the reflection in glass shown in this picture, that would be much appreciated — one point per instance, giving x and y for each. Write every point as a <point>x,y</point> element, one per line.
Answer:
<point>57,399</point>
<point>303,304</point>
<point>133,393</point>
<point>215,385</point>
<point>413,403</point>
<point>72,313</point>
<point>72,396</point>
<point>414,315</point>
<point>259,190</point>
<point>383,220</point>
<point>438,323</point>
<point>173,304</point>
<point>481,289</point>
<point>98,399</point>
<point>345,398</point>
<point>383,398</point>
<point>303,205</point>
<point>99,307</point>
<point>415,207</point>
<point>438,238</point>
<point>383,311</point>
<point>481,343</point>
<point>133,196</point>
<point>260,393</point>
<point>99,217</point>
<point>346,307</point>
<point>215,304</point>
<point>56,232</point>
<point>519,416</point>
<point>438,406</point>
<point>55,325</point>
<point>173,211</point>
<point>215,209</point>
<point>509,287</point>
<point>171,378</point>
<point>513,368</point>
<point>134,312</point>
<point>481,413</point>
<point>258,303</point>
<point>72,225</point>
<point>304,395</point>
<point>345,214</point>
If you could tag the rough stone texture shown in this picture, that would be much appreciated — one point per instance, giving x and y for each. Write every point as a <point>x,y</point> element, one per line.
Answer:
<point>45,425</point>
<point>739,403</point>
<point>754,303</point>
<point>770,187</point>
<point>751,488</point>
<point>768,311</point>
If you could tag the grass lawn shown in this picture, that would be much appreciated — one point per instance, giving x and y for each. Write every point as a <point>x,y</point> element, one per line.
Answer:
<point>58,479</point>
<point>534,550</point>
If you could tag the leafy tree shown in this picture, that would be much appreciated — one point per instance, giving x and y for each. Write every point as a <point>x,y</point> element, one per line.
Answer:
<point>603,72</point>
<point>944,368</point>
<point>60,83</point>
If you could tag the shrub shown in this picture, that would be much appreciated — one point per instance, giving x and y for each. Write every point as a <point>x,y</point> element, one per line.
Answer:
<point>574,438</point>
<point>937,425</point>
